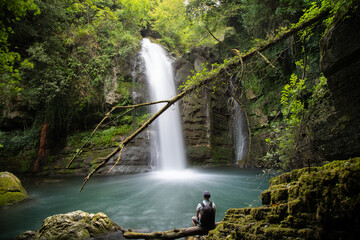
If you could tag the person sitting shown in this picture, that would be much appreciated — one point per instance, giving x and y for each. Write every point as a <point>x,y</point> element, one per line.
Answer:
<point>205,212</point>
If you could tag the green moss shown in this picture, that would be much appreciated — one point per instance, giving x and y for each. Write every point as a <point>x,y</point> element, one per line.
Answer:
<point>220,155</point>
<point>321,204</point>
<point>11,197</point>
<point>266,197</point>
<point>11,190</point>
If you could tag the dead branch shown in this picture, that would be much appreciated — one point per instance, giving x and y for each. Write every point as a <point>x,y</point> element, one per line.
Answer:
<point>232,63</point>
<point>236,52</point>
<point>137,132</point>
<point>172,234</point>
<point>132,108</point>
<point>267,60</point>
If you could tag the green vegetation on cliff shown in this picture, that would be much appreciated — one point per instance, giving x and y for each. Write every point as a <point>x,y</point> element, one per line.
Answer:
<point>79,53</point>
<point>65,63</point>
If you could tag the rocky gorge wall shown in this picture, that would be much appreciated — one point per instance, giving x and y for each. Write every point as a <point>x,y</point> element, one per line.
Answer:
<point>207,116</point>
<point>334,124</point>
<point>317,203</point>
<point>340,63</point>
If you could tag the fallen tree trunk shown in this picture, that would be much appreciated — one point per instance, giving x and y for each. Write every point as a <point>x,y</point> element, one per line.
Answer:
<point>172,234</point>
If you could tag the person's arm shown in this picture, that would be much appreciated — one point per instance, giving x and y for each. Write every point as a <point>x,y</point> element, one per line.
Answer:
<point>198,210</point>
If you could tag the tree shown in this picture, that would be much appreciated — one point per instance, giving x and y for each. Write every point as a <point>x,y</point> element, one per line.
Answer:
<point>10,60</point>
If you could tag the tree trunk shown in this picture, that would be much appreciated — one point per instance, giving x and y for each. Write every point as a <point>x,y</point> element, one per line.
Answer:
<point>43,147</point>
<point>172,234</point>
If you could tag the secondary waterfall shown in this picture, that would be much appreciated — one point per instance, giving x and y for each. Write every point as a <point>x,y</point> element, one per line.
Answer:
<point>241,133</point>
<point>167,143</point>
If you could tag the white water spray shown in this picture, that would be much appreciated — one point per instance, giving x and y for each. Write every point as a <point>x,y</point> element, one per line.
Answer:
<point>168,145</point>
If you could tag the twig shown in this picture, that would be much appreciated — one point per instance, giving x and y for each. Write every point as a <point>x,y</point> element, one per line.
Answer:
<point>267,60</point>
<point>117,161</point>
<point>133,107</point>
<point>234,51</point>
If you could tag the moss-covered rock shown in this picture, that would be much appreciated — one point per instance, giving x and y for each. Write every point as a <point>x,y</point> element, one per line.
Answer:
<point>11,190</point>
<point>73,225</point>
<point>323,203</point>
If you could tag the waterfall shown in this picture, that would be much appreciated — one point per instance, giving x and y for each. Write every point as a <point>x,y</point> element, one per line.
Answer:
<point>167,142</point>
<point>241,134</point>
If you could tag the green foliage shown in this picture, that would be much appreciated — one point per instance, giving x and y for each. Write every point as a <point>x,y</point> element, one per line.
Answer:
<point>68,54</point>
<point>301,96</point>
<point>263,18</point>
<point>183,24</point>
<point>102,138</point>
<point>139,120</point>
<point>17,141</point>
<point>10,60</point>
<point>109,136</point>
<point>197,78</point>
<point>56,55</point>
<point>284,146</point>
<point>291,100</point>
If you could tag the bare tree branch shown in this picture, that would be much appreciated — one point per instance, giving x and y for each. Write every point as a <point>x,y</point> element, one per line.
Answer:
<point>132,108</point>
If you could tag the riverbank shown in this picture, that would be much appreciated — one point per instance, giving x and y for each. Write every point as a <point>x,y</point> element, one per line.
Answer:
<point>317,203</point>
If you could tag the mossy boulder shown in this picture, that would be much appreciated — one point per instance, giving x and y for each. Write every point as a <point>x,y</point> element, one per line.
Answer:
<point>73,225</point>
<point>11,190</point>
<point>317,203</point>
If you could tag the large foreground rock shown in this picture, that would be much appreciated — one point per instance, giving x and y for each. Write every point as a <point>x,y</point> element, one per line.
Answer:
<point>321,204</point>
<point>11,190</point>
<point>73,225</point>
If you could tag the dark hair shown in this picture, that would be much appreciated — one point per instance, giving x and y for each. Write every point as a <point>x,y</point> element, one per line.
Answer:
<point>207,194</point>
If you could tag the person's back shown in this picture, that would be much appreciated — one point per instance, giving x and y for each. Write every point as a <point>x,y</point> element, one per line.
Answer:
<point>205,213</point>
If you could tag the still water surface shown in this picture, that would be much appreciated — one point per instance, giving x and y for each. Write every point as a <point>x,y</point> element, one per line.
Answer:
<point>151,201</point>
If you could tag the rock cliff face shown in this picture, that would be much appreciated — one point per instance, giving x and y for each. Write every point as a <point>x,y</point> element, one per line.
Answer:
<point>134,159</point>
<point>206,116</point>
<point>321,204</point>
<point>340,63</point>
<point>334,124</point>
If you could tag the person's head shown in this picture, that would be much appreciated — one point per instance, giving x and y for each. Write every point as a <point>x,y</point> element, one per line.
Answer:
<point>206,195</point>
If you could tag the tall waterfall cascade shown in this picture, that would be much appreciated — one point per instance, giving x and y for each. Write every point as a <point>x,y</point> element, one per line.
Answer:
<point>168,152</point>
<point>241,133</point>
